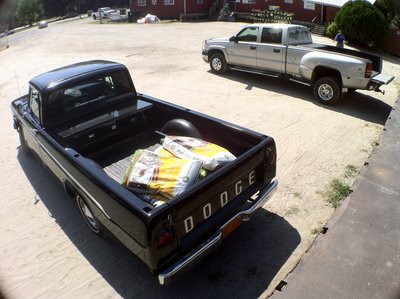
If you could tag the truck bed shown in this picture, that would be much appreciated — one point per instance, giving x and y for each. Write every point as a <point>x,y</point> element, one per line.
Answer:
<point>376,60</point>
<point>115,159</point>
<point>117,170</point>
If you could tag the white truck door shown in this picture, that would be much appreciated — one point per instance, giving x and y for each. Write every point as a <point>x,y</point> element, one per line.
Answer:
<point>243,50</point>
<point>271,51</point>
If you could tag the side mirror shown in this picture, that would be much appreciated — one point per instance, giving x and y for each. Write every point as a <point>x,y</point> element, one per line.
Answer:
<point>234,39</point>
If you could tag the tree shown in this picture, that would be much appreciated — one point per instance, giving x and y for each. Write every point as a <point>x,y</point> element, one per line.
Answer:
<point>28,10</point>
<point>390,9</point>
<point>361,21</point>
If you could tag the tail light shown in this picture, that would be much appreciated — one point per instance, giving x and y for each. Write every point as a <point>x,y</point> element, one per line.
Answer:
<point>368,70</point>
<point>271,155</point>
<point>269,163</point>
<point>164,237</point>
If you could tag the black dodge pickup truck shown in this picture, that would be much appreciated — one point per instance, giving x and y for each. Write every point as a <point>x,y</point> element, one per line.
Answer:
<point>85,121</point>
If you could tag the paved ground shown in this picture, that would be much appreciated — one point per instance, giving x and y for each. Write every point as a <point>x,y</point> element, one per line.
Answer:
<point>359,255</point>
<point>46,251</point>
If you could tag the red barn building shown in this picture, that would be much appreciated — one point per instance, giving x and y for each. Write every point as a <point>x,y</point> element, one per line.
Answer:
<point>317,11</point>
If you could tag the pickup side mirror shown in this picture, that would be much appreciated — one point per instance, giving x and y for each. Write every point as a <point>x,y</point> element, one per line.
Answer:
<point>234,39</point>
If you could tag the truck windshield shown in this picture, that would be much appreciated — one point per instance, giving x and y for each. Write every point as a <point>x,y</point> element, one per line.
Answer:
<point>90,95</point>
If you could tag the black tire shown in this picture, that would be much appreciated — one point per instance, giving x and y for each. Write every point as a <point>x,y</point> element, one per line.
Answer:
<point>24,145</point>
<point>94,17</point>
<point>87,214</point>
<point>327,90</point>
<point>218,63</point>
<point>180,127</point>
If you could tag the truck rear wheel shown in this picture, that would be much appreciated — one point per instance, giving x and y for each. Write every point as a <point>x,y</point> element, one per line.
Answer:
<point>88,216</point>
<point>218,63</point>
<point>94,17</point>
<point>327,90</point>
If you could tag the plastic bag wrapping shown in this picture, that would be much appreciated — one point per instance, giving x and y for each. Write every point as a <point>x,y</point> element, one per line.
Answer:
<point>160,174</point>
<point>211,155</point>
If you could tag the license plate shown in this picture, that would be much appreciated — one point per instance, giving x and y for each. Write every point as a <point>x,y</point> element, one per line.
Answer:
<point>231,226</point>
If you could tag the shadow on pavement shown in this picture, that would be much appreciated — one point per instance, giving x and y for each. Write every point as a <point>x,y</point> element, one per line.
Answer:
<point>242,267</point>
<point>358,105</point>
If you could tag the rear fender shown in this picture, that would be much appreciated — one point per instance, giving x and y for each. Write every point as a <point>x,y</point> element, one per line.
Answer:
<point>322,71</point>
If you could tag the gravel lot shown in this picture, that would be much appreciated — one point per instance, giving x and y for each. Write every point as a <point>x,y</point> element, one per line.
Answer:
<point>46,250</point>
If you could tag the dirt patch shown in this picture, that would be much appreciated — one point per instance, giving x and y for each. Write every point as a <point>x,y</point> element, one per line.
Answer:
<point>46,249</point>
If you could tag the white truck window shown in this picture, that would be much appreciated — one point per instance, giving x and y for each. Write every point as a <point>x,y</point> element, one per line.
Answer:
<point>271,36</point>
<point>248,34</point>
<point>298,36</point>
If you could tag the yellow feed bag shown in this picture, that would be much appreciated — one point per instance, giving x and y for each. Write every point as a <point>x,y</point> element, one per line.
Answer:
<point>162,174</point>
<point>211,155</point>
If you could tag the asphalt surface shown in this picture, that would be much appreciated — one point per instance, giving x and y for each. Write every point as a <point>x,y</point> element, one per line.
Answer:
<point>359,255</point>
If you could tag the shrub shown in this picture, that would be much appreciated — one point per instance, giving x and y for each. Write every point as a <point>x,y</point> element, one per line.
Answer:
<point>361,21</point>
<point>332,30</point>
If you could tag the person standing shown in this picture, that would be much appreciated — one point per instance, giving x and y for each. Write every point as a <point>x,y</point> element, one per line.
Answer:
<point>339,38</point>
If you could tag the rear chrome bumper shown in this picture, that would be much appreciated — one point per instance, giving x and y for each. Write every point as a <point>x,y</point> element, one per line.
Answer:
<point>215,240</point>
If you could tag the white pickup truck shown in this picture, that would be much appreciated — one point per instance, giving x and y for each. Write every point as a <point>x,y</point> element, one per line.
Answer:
<point>103,12</point>
<point>285,50</point>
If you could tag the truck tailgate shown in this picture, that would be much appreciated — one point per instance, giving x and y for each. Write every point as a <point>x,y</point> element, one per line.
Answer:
<point>382,79</point>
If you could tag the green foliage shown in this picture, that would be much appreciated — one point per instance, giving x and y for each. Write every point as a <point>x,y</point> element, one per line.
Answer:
<point>28,10</point>
<point>396,21</point>
<point>351,171</point>
<point>332,30</point>
<point>361,21</point>
<point>316,231</point>
<point>389,8</point>
<point>337,191</point>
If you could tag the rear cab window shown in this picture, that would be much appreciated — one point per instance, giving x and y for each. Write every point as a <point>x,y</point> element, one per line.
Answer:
<point>299,36</point>
<point>93,101</point>
<point>88,96</point>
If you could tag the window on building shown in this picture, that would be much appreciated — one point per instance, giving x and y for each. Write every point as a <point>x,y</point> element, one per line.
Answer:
<point>248,34</point>
<point>169,2</point>
<point>154,2</point>
<point>200,2</point>
<point>309,5</point>
<point>273,7</point>
<point>141,2</point>
<point>289,1</point>
<point>271,36</point>
<point>249,1</point>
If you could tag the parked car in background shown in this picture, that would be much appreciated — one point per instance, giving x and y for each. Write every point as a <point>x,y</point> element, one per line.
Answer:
<point>104,12</point>
<point>42,24</point>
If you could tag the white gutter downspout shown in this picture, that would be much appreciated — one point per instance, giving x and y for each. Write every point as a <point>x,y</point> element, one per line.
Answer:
<point>184,7</point>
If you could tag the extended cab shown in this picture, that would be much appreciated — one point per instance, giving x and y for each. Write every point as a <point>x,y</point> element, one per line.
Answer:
<point>283,50</point>
<point>86,120</point>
